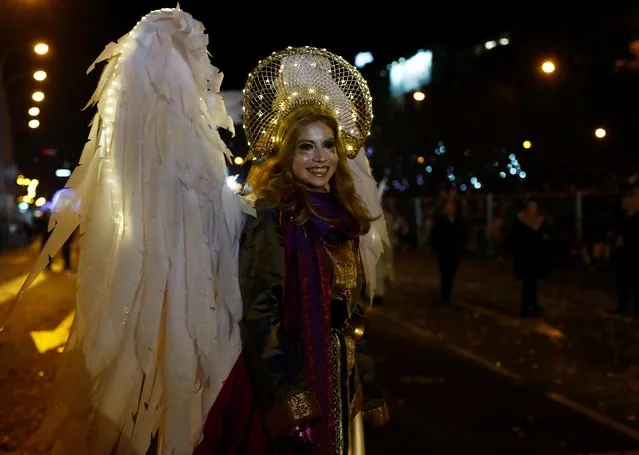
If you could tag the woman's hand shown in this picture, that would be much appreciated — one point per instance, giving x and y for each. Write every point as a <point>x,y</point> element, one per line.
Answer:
<point>299,440</point>
<point>303,432</point>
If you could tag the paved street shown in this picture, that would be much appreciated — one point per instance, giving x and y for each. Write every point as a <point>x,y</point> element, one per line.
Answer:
<point>577,349</point>
<point>448,394</point>
<point>441,404</point>
<point>25,373</point>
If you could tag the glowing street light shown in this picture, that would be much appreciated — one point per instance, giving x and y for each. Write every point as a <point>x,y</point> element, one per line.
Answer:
<point>419,96</point>
<point>600,133</point>
<point>362,59</point>
<point>490,45</point>
<point>33,124</point>
<point>41,48</point>
<point>420,159</point>
<point>40,75</point>
<point>34,111</point>
<point>37,97</point>
<point>548,67</point>
<point>527,144</point>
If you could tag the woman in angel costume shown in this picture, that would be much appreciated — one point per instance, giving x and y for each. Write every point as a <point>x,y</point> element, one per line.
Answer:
<point>215,322</point>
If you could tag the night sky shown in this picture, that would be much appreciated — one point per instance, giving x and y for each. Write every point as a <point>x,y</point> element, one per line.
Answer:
<point>588,38</point>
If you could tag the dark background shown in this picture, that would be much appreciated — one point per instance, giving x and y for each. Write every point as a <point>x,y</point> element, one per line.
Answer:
<point>482,105</point>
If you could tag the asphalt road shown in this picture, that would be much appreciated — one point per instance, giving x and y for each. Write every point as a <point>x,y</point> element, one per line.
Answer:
<point>443,405</point>
<point>440,403</point>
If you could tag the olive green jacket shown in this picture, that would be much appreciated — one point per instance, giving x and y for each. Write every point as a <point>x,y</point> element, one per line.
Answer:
<point>279,378</point>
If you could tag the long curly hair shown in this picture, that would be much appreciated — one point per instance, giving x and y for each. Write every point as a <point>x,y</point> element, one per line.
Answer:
<point>271,179</point>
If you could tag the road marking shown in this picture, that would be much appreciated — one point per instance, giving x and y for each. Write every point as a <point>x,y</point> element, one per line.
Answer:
<point>538,326</point>
<point>412,327</point>
<point>499,369</point>
<point>461,352</point>
<point>595,415</point>
<point>494,366</point>
<point>45,340</point>
<point>532,325</point>
<point>9,290</point>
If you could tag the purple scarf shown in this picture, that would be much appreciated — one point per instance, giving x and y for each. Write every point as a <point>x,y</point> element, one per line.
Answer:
<point>306,317</point>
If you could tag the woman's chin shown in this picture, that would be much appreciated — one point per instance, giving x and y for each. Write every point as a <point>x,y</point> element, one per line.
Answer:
<point>316,184</point>
<point>317,189</point>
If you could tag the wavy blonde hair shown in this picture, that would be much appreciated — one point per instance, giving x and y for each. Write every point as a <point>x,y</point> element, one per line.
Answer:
<point>272,179</point>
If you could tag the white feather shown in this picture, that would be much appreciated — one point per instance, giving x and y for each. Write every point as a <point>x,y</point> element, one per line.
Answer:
<point>373,243</point>
<point>158,300</point>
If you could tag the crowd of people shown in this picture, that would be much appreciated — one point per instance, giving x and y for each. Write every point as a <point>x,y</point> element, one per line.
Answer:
<point>529,237</point>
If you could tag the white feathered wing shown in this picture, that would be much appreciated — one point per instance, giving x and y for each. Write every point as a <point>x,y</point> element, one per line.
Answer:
<point>158,302</point>
<point>373,243</point>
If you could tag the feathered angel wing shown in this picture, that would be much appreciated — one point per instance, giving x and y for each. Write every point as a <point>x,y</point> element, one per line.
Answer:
<point>373,243</point>
<point>158,302</point>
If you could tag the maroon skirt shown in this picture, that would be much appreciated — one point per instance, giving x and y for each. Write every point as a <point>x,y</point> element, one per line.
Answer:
<point>235,425</point>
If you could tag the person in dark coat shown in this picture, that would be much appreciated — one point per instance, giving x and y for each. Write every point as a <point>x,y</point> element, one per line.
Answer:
<point>43,229</point>
<point>448,241</point>
<point>529,238</point>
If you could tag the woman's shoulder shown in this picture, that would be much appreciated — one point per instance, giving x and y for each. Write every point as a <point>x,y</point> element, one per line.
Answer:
<point>265,215</point>
<point>263,231</point>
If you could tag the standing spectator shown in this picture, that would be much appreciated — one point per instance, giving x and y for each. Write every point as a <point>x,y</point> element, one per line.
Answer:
<point>448,241</point>
<point>529,238</point>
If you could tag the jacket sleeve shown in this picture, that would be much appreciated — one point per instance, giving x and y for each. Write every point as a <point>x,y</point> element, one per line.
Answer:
<point>278,377</point>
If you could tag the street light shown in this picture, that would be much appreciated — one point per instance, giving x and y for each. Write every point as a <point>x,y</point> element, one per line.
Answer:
<point>41,48</point>
<point>6,142</point>
<point>40,75</point>
<point>600,133</point>
<point>548,67</point>
<point>37,97</point>
<point>419,96</point>
<point>527,144</point>
<point>34,111</point>
<point>33,124</point>
<point>490,45</point>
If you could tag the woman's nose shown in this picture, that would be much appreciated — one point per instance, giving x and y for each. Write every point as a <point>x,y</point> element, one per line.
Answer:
<point>320,155</point>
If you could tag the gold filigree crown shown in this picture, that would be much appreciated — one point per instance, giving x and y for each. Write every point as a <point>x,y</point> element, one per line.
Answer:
<point>301,76</point>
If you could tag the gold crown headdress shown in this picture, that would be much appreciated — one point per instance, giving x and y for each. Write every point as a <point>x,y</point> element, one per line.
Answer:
<point>301,76</point>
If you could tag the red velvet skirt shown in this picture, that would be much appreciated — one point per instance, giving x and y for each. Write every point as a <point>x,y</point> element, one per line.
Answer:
<point>235,425</point>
